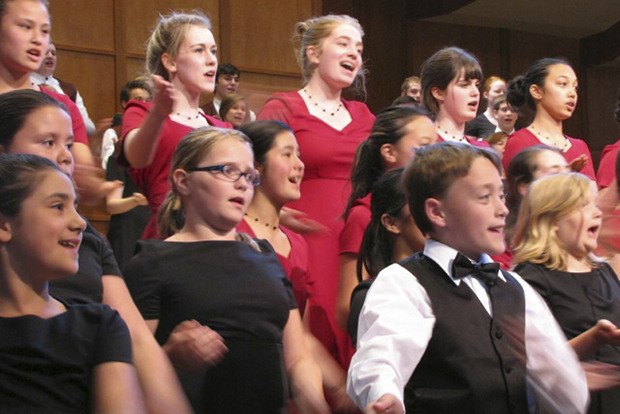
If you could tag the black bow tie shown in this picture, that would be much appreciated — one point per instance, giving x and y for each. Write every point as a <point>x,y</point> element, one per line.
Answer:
<point>487,273</point>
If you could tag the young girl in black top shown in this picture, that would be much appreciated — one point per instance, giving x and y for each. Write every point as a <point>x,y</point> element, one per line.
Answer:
<point>54,356</point>
<point>217,300</point>
<point>555,236</point>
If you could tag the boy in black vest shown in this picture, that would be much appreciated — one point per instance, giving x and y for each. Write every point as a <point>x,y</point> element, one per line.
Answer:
<point>445,331</point>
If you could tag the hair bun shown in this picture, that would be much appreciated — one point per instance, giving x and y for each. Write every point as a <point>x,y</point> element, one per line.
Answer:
<point>300,28</point>
<point>516,94</point>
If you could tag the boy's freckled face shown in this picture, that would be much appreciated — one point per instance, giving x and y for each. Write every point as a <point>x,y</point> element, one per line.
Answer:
<point>474,211</point>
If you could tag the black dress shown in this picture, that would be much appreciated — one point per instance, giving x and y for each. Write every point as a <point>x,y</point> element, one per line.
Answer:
<point>125,228</point>
<point>241,293</point>
<point>46,365</point>
<point>480,127</point>
<point>578,301</point>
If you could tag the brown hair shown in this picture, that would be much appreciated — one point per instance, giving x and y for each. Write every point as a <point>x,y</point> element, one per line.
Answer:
<point>433,170</point>
<point>442,68</point>
<point>168,36</point>
<point>312,32</point>
<point>228,102</point>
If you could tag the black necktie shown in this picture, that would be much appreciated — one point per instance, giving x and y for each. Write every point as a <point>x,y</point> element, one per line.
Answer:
<point>487,273</point>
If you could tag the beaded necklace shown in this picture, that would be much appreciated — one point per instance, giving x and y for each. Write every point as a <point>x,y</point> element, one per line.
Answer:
<point>257,220</point>
<point>563,144</point>
<point>321,108</point>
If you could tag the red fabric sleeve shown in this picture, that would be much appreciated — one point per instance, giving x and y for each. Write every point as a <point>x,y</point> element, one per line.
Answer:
<point>277,108</point>
<point>355,226</point>
<point>607,166</point>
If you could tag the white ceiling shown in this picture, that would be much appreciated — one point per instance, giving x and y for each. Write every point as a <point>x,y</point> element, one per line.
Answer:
<point>566,18</point>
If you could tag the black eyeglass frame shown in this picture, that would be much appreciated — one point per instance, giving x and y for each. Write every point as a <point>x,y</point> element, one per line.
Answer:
<point>232,173</point>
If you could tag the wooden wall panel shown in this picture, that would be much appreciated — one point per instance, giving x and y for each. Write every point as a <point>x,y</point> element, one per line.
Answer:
<point>140,17</point>
<point>425,38</point>
<point>82,24</point>
<point>93,76</point>
<point>384,54</point>
<point>256,36</point>
<point>134,68</point>
<point>257,88</point>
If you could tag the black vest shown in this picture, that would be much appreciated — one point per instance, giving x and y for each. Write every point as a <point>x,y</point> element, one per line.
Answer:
<point>473,363</point>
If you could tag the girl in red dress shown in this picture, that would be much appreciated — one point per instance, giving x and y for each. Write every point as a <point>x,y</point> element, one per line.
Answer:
<point>276,155</point>
<point>181,58</point>
<point>328,129</point>
<point>396,134</point>
<point>450,81</point>
<point>549,87</point>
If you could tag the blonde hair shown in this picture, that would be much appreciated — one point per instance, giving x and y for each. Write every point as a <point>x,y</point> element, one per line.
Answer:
<point>312,32</point>
<point>404,87</point>
<point>548,200</point>
<point>168,36</point>
<point>192,149</point>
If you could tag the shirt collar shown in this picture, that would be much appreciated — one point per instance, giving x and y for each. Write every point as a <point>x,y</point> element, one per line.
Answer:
<point>444,255</point>
<point>38,79</point>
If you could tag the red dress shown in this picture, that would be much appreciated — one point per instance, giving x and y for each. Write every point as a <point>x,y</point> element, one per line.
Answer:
<point>328,155</point>
<point>77,122</point>
<point>355,226</point>
<point>523,138</point>
<point>295,265</point>
<point>607,166</point>
<point>153,180</point>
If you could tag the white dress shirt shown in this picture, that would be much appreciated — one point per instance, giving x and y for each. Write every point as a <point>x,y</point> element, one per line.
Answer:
<point>52,82</point>
<point>396,325</point>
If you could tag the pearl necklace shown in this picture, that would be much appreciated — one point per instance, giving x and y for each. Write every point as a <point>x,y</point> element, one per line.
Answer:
<point>450,137</point>
<point>563,144</point>
<point>189,118</point>
<point>322,109</point>
<point>256,219</point>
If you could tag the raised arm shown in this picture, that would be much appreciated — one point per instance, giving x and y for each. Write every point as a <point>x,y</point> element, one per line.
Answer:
<point>140,144</point>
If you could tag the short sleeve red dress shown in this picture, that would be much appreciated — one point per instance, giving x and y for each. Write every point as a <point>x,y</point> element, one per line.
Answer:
<point>328,155</point>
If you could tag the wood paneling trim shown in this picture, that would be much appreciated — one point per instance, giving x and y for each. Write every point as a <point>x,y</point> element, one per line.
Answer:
<point>82,49</point>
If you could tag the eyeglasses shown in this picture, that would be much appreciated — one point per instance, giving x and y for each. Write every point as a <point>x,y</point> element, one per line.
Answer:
<point>231,173</point>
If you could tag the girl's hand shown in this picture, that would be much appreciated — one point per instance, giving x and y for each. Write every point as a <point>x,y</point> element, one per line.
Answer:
<point>164,96</point>
<point>607,333</point>
<point>140,199</point>
<point>193,346</point>
<point>578,163</point>
<point>601,375</point>
<point>299,222</point>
